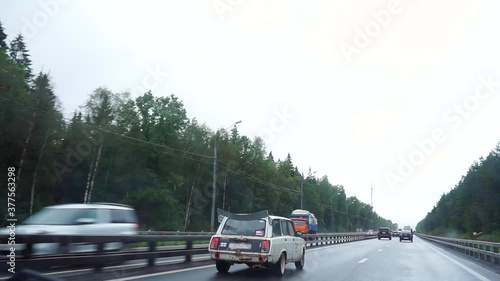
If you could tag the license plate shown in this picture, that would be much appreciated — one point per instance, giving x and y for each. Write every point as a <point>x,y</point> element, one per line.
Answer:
<point>239,246</point>
<point>383,232</point>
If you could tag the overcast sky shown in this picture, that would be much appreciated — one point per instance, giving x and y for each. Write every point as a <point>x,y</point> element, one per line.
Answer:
<point>400,94</point>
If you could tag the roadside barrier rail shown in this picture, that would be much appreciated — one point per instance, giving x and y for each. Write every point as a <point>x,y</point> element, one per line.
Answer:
<point>183,245</point>
<point>482,250</point>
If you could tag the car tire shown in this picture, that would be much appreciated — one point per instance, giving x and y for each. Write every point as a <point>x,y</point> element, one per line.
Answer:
<point>300,264</point>
<point>411,240</point>
<point>279,267</point>
<point>400,240</point>
<point>379,238</point>
<point>222,266</point>
<point>390,238</point>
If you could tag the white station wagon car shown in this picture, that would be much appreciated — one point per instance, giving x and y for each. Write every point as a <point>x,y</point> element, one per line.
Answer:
<point>258,240</point>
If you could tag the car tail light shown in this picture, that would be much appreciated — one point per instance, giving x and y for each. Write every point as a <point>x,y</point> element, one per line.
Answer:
<point>214,244</point>
<point>265,246</point>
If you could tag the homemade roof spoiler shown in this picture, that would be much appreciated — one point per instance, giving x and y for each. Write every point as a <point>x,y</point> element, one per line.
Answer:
<point>243,217</point>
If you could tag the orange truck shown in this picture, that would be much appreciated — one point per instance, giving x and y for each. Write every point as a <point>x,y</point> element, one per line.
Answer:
<point>301,224</point>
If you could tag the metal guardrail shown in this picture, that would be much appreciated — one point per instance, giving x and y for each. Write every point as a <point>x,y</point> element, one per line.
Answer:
<point>482,250</point>
<point>28,274</point>
<point>325,239</point>
<point>100,258</point>
<point>173,233</point>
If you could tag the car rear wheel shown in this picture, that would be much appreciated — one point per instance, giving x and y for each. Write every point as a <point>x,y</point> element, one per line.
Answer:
<point>300,264</point>
<point>222,266</point>
<point>279,267</point>
<point>390,238</point>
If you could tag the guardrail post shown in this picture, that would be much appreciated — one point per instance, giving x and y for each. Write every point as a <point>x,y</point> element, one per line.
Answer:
<point>488,257</point>
<point>100,250</point>
<point>152,249</point>
<point>495,259</point>
<point>28,251</point>
<point>189,246</point>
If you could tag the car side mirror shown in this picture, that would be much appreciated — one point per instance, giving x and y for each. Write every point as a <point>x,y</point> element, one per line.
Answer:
<point>85,221</point>
<point>298,233</point>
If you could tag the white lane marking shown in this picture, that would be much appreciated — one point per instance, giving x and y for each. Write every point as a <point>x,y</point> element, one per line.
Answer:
<point>162,273</point>
<point>464,267</point>
<point>363,260</point>
<point>138,265</point>
<point>380,250</point>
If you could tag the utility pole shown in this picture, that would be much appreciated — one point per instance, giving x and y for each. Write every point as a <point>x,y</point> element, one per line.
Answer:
<point>214,180</point>
<point>302,188</point>
<point>331,200</point>
<point>371,203</point>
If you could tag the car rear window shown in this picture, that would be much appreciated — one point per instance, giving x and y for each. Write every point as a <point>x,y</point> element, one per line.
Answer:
<point>247,228</point>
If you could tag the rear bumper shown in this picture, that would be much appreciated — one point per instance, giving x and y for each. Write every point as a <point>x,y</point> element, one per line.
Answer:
<point>231,257</point>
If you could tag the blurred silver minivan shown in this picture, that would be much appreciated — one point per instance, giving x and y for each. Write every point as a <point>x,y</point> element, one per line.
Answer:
<point>77,219</point>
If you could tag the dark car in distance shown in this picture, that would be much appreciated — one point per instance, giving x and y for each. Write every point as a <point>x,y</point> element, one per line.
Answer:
<point>406,235</point>
<point>384,232</point>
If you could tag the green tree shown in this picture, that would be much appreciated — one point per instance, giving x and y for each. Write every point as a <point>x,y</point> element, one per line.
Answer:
<point>19,54</point>
<point>472,205</point>
<point>47,128</point>
<point>3,38</point>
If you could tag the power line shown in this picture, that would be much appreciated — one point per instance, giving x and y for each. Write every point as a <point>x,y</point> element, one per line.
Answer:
<point>117,134</point>
<point>263,181</point>
<point>136,140</point>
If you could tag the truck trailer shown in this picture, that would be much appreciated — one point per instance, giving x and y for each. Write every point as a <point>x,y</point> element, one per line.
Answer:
<point>312,222</point>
